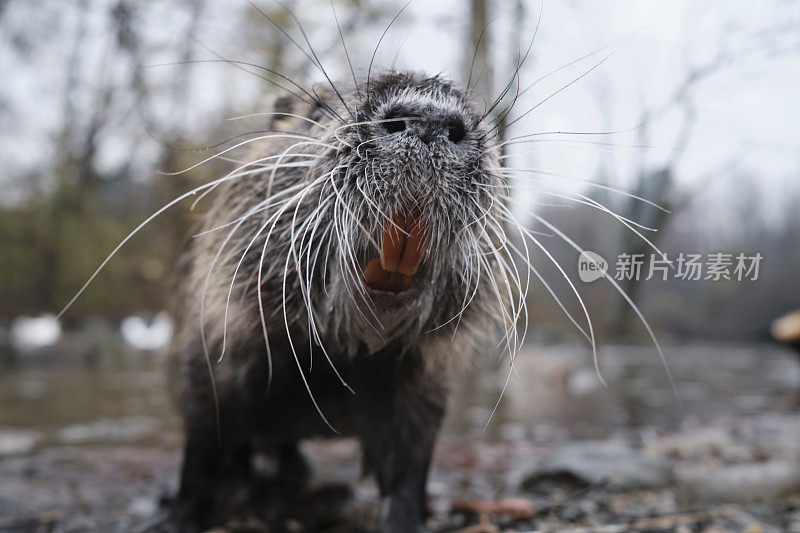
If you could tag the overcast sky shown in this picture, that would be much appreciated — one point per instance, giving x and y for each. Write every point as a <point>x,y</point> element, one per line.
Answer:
<point>747,112</point>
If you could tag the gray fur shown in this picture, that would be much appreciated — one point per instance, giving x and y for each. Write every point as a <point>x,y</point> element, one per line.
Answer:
<point>276,274</point>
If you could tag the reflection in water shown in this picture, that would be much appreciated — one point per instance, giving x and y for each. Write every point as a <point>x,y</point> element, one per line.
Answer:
<point>125,398</point>
<point>118,399</point>
<point>557,385</point>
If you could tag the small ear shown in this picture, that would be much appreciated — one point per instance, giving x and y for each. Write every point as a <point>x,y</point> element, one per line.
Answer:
<point>281,104</point>
<point>323,96</point>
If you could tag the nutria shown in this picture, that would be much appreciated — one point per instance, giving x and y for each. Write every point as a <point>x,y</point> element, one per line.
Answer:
<point>339,273</point>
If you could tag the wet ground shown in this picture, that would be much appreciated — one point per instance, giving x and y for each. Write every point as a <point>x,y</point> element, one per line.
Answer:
<point>94,445</point>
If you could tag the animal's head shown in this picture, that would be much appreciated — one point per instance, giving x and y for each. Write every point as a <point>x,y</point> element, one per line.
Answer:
<point>416,203</point>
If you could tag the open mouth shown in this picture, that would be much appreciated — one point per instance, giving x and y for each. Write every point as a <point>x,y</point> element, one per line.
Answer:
<point>402,246</point>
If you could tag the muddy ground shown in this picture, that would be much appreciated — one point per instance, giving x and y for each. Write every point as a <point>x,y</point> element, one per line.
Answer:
<point>93,445</point>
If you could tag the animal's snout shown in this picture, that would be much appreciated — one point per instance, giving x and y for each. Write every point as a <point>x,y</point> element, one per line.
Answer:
<point>427,124</point>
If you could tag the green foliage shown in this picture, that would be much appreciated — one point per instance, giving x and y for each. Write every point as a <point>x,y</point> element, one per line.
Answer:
<point>53,243</point>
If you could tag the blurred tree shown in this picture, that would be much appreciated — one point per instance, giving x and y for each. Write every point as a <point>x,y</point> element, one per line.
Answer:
<point>118,119</point>
<point>659,183</point>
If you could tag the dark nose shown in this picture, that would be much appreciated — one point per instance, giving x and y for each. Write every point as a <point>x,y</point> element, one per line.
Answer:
<point>428,124</point>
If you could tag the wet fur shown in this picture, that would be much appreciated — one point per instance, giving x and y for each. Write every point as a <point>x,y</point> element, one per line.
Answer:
<point>321,353</point>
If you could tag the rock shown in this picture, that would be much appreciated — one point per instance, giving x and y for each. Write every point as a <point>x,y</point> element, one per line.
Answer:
<point>744,483</point>
<point>598,462</point>
<point>30,333</point>
<point>125,429</point>
<point>711,441</point>
<point>143,506</point>
<point>572,513</point>
<point>42,341</point>
<point>786,329</point>
<point>481,527</point>
<point>546,482</point>
<point>18,442</point>
<point>584,381</point>
<point>151,334</point>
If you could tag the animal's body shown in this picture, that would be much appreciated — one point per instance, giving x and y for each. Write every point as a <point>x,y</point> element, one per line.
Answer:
<point>364,244</point>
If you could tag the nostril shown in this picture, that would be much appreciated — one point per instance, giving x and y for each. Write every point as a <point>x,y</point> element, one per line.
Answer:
<point>456,131</point>
<point>394,123</point>
<point>394,126</point>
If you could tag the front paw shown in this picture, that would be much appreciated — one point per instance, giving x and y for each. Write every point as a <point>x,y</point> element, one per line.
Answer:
<point>294,471</point>
<point>403,527</point>
<point>174,516</point>
<point>396,517</point>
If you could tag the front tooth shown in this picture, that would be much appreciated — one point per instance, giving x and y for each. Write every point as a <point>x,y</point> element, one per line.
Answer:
<point>412,252</point>
<point>375,276</point>
<point>398,282</point>
<point>393,241</point>
<point>383,280</point>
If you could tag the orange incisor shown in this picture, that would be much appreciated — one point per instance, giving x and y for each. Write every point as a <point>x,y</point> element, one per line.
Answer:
<point>402,247</point>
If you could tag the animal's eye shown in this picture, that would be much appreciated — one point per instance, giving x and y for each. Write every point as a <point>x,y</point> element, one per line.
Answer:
<point>394,126</point>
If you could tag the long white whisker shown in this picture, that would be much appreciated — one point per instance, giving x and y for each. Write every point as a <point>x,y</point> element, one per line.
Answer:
<point>299,271</point>
<point>627,298</point>
<point>240,172</point>
<point>273,219</point>
<point>246,142</point>
<point>511,171</point>
<point>572,286</point>
<point>279,113</point>
<point>294,353</point>
<point>134,232</point>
